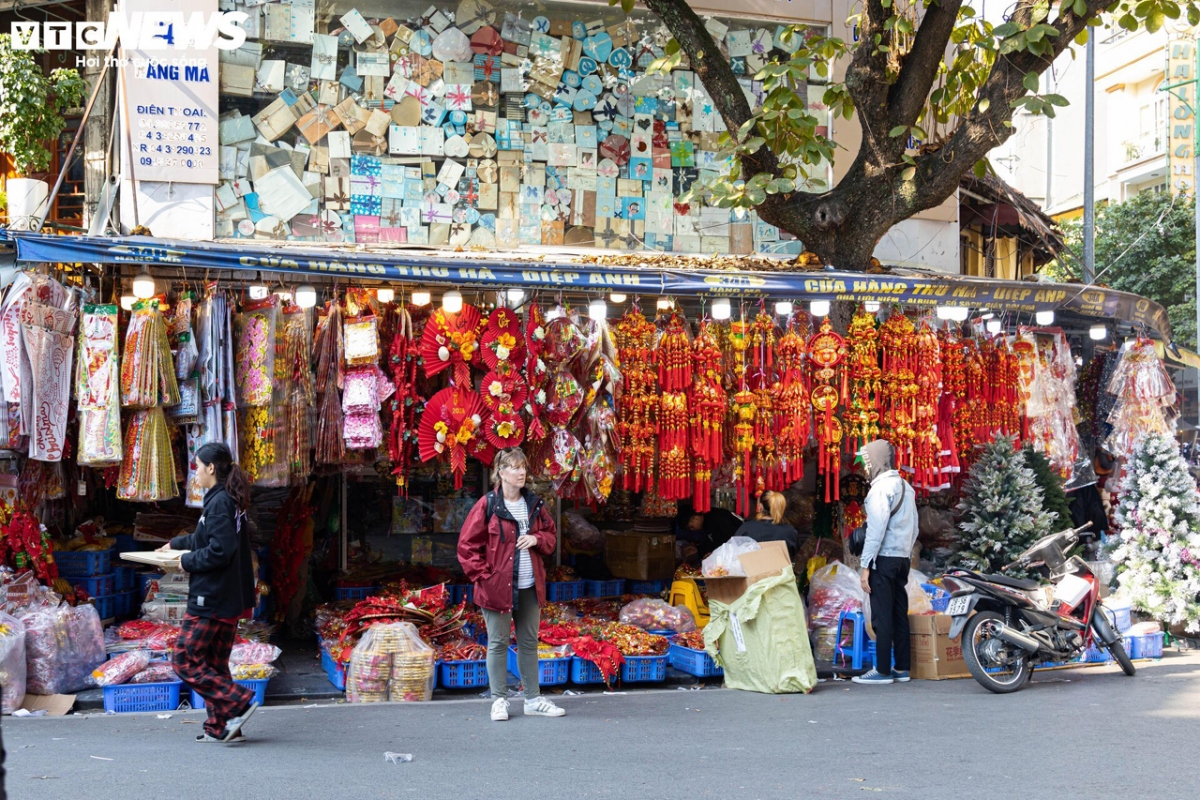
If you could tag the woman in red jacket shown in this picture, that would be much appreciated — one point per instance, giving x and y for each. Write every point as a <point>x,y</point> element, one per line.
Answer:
<point>500,549</point>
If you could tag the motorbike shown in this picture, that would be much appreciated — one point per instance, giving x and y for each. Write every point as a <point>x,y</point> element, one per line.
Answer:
<point>1010,625</point>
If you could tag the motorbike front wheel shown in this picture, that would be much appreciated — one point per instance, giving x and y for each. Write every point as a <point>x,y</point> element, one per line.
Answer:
<point>1109,638</point>
<point>988,658</point>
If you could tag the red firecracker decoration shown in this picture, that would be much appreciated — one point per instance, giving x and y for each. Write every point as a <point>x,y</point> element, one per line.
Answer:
<point>638,412</point>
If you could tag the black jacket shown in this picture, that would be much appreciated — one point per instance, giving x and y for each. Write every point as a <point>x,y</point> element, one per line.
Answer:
<point>220,569</point>
<point>763,530</point>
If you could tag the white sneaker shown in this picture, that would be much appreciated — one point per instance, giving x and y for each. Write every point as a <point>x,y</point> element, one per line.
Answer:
<point>541,707</point>
<point>500,709</point>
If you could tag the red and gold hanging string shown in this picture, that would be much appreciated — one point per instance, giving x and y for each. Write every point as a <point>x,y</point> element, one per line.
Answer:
<point>926,445</point>
<point>674,359</point>
<point>826,351</point>
<point>707,406</point>
<point>862,415</point>
<point>793,410</point>
<point>744,412</point>
<point>898,341</point>
<point>637,423</point>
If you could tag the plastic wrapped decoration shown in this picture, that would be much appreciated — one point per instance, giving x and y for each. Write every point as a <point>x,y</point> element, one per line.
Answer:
<point>452,428</point>
<point>564,398</point>
<point>254,352</point>
<point>604,379</point>
<point>598,469</point>
<point>451,341</point>
<point>147,372</point>
<point>97,388</point>
<point>361,341</point>
<point>557,459</point>
<point>503,339</point>
<point>148,470</point>
<point>49,345</point>
<point>536,372</point>
<point>331,447</point>
<point>296,432</point>
<point>366,388</point>
<point>597,341</point>
<point>564,341</point>
<point>827,351</point>
<point>1049,397</point>
<point>62,647</point>
<point>12,663</point>
<point>658,615</point>
<point>120,668</point>
<point>1144,392</point>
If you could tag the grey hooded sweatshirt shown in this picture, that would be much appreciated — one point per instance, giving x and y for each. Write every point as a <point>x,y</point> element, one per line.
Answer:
<point>888,534</point>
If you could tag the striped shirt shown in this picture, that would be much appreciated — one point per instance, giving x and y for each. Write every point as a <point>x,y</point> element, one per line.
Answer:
<point>520,512</point>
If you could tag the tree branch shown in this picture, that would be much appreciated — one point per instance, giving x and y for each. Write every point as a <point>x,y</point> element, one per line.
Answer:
<point>907,97</point>
<point>866,79</point>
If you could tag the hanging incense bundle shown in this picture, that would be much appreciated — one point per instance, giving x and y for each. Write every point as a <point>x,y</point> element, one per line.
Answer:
<point>97,388</point>
<point>148,469</point>
<point>147,371</point>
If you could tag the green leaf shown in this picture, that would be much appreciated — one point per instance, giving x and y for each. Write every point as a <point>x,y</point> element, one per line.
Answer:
<point>1155,21</point>
<point>1006,30</point>
<point>671,47</point>
<point>1081,38</point>
<point>752,145</point>
<point>908,173</point>
<point>1030,81</point>
<point>1193,15</point>
<point>627,6</point>
<point>1056,100</point>
<point>984,104</point>
<point>899,130</point>
<point>919,132</point>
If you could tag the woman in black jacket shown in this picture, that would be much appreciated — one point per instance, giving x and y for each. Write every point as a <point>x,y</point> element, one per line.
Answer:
<point>768,525</point>
<point>220,592</point>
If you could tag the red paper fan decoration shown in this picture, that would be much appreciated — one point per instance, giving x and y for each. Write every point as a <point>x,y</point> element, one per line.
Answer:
<point>452,427</point>
<point>564,397</point>
<point>504,388</point>
<point>504,339</point>
<point>505,429</point>
<point>452,340</point>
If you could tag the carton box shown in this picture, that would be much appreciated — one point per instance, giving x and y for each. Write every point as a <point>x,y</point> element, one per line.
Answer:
<point>640,556</point>
<point>766,562</point>
<point>935,656</point>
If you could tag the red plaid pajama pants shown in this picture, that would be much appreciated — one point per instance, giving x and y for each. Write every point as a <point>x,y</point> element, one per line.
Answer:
<point>202,662</point>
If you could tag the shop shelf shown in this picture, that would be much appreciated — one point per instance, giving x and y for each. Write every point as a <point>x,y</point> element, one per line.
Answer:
<point>584,672</point>
<point>647,587</point>
<point>355,592</point>
<point>693,662</point>
<point>644,669</point>
<point>124,578</point>
<point>551,671</point>
<point>561,591</point>
<point>257,685</point>
<point>463,674</point>
<point>83,564</point>
<point>335,670</point>
<point>613,588</point>
<point>98,586</point>
<point>1149,645</point>
<point>128,697</point>
<point>106,606</point>
<point>939,598</point>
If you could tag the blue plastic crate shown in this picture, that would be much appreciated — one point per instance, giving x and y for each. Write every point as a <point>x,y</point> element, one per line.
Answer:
<point>106,606</point>
<point>551,671</point>
<point>613,588</point>
<point>644,669</point>
<point>561,591</point>
<point>463,674</point>
<point>461,593</point>
<point>939,598</point>
<point>143,581</point>
<point>693,662</point>
<point>584,672</point>
<point>257,685</point>
<point>1148,645</point>
<point>128,697</point>
<point>1096,655</point>
<point>99,586</point>
<point>124,578</point>
<point>125,604</point>
<point>126,544</point>
<point>81,564</point>
<point>335,671</point>
<point>354,592</point>
<point>647,587</point>
<point>662,632</point>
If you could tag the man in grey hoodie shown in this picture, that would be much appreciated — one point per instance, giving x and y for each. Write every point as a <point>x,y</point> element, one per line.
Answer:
<point>891,508</point>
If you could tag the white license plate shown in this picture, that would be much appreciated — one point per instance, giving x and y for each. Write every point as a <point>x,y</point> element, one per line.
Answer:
<point>958,606</point>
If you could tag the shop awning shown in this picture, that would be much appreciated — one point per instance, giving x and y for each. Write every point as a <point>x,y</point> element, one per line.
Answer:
<point>1177,356</point>
<point>598,272</point>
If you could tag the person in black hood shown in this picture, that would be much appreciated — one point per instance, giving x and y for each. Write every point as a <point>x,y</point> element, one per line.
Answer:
<point>220,592</point>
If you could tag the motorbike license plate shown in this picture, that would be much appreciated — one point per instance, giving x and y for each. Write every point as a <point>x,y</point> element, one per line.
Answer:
<point>958,606</point>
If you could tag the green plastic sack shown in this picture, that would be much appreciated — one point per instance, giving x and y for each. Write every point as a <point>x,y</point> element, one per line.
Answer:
<point>761,639</point>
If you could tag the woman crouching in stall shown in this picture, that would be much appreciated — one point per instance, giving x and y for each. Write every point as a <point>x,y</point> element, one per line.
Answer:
<point>500,549</point>
<point>220,592</point>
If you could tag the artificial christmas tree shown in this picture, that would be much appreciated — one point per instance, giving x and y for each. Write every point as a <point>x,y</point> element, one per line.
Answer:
<point>1158,517</point>
<point>1002,509</point>
<point>1054,499</point>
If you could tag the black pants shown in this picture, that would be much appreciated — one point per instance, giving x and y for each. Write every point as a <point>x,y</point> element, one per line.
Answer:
<point>889,613</point>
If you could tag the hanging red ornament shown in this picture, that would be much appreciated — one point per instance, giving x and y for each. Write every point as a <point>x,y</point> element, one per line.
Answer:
<point>452,340</point>
<point>826,351</point>
<point>794,411</point>
<point>452,428</point>
<point>503,339</point>
<point>707,406</point>
<point>638,412</point>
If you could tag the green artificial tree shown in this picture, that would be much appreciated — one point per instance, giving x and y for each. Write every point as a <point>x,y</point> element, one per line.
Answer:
<point>31,106</point>
<point>1158,516</point>
<point>1002,509</point>
<point>1054,499</point>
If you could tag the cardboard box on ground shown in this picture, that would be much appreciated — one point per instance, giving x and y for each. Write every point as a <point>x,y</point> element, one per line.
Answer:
<point>766,562</point>
<point>935,656</point>
<point>640,556</point>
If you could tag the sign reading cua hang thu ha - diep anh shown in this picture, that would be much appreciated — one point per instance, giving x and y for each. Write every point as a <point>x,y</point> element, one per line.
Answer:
<point>169,65</point>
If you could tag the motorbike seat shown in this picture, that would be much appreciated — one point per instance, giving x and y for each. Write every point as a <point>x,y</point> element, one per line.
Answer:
<point>1012,583</point>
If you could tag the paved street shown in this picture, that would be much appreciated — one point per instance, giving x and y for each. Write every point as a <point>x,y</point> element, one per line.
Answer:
<point>1080,733</point>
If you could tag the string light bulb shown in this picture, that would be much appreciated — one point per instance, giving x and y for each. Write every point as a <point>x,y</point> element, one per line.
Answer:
<point>598,310</point>
<point>819,308</point>
<point>421,298</point>
<point>616,297</point>
<point>515,296</point>
<point>452,301</point>
<point>127,301</point>
<point>784,308</point>
<point>664,304</point>
<point>722,309</point>
<point>306,296</point>
<point>1044,318</point>
<point>1098,333</point>
<point>871,307</point>
<point>994,325</point>
<point>385,295</point>
<point>143,286</point>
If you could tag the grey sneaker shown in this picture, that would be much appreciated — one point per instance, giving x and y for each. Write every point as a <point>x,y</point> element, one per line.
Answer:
<point>873,678</point>
<point>901,675</point>
<point>234,726</point>
<point>500,709</point>
<point>542,707</point>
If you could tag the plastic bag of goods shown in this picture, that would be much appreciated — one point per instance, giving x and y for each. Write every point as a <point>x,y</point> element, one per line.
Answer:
<point>658,615</point>
<point>12,663</point>
<point>918,600</point>
<point>833,589</point>
<point>390,662</point>
<point>581,535</point>
<point>62,647</point>
<point>120,668</point>
<point>158,672</point>
<point>253,653</point>
<point>252,672</point>
<point>723,562</point>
